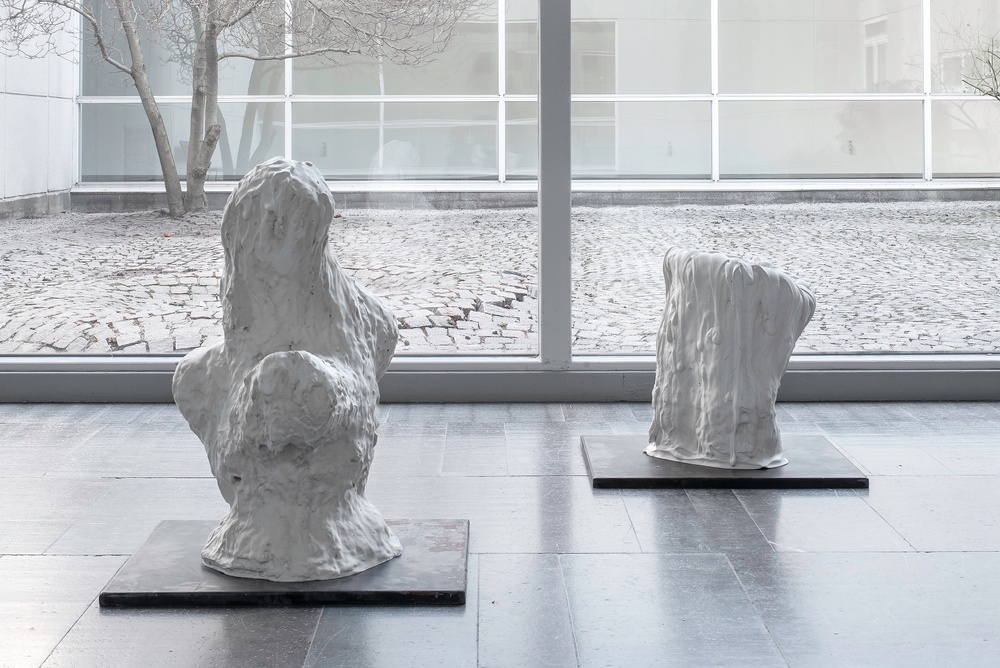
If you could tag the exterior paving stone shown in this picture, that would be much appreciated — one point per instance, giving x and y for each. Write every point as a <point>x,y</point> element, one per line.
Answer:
<point>888,277</point>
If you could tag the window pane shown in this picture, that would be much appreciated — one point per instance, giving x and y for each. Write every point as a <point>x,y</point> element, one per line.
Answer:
<point>819,46</point>
<point>642,139</point>
<point>630,48</point>
<point>820,139</point>
<point>966,138</point>
<point>458,280</point>
<point>884,274</point>
<point>522,140</point>
<point>468,66</point>
<point>522,47</point>
<point>641,47</point>
<point>960,30</point>
<point>429,140</point>
<point>170,72</point>
<point>116,143</point>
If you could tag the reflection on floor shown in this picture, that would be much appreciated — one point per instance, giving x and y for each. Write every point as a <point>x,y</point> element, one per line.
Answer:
<point>904,574</point>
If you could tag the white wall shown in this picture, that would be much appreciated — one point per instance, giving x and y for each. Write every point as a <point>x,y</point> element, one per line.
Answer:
<point>37,136</point>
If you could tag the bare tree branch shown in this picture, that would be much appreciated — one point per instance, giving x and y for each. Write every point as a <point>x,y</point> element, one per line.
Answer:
<point>199,34</point>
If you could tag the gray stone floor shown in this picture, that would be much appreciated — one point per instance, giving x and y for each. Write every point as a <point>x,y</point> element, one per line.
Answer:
<point>893,277</point>
<point>904,574</point>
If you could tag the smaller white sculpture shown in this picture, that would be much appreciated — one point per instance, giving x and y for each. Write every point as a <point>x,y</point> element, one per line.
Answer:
<point>727,331</point>
<point>287,403</point>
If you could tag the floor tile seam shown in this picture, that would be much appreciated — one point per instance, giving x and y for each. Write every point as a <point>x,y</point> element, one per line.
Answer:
<point>707,517</point>
<point>867,501</point>
<point>66,455</point>
<point>743,505</point>
<point>908,550</point>
<point>444,450</point>
<point>459,476</point>
<point>944,476</point>
<point>909,553</point>
<point>506,455</point>
<point>479,602</point>
<point>87,476</point>
<point>753,604</point>
<point>56,555</point>
<point>569,609</point>
<point>631,524</point>
<point>847,455</point>
<point>82,515</point>
<point>82,613</point>
<point>547,475</point>
<point>924,420</point>
<point>939,461</point>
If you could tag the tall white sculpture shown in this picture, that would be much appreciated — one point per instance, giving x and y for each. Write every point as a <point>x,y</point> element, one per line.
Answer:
<point>727,331</point>
<point>287,403</point>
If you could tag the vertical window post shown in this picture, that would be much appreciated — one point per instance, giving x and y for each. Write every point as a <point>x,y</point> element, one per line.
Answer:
<point>714,56</point>
<point>554,187</point>
<point>928,119</point>
<point>287,103</point>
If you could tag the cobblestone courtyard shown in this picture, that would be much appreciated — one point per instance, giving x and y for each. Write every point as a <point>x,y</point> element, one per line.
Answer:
<point>902,277</point>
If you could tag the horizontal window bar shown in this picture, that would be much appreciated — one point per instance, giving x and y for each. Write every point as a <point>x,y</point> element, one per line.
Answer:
<point>596,186</point>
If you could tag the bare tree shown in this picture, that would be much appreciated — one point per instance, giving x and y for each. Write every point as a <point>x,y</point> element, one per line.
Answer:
<point>968,59</point>
<point>202,34</point>
<point>982,71</point>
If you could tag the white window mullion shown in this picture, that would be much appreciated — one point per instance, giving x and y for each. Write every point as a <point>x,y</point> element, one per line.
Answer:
<point>714,60</point>
<point>928,116</point>
<point>288,80</point>
<point>501,141</point>
<point>502,91</point>
<point>554,183</point>
<point>77,110</point>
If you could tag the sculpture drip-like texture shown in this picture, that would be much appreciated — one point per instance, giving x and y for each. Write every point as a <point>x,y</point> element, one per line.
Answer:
<point>727,331</point>
<point>287,403</point>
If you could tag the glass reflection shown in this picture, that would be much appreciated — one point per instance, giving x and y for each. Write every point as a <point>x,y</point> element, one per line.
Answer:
<point>966,138</point>
<point>813,139</point>
<point>819,46</point>
<point>117,144</point>
<point>397,140</point>
<point>642,140</point>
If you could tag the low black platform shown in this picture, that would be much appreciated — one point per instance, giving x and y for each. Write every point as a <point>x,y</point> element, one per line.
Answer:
<point>813,463</point>
<point>167,572</point>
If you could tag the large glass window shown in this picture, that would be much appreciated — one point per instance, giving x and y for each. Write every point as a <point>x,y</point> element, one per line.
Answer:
<point>438,158</point>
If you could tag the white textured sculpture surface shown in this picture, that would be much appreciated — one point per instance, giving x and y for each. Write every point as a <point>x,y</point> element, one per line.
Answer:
<point>287,403</point>
<point>727,331</point>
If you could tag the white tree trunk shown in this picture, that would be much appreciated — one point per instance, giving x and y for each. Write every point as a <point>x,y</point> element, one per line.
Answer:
<point>172,183</point>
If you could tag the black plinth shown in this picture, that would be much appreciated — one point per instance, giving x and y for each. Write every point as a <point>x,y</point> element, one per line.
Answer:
<point>813,463</point>
<point>167,572</point>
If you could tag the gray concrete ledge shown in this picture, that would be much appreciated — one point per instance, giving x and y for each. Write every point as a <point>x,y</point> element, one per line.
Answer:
<point>32,206</point>
<point>526,386</point>
<point>106,202</point>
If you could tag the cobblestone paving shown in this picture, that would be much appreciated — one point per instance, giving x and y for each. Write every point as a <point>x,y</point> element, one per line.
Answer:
<point>902,277</point>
